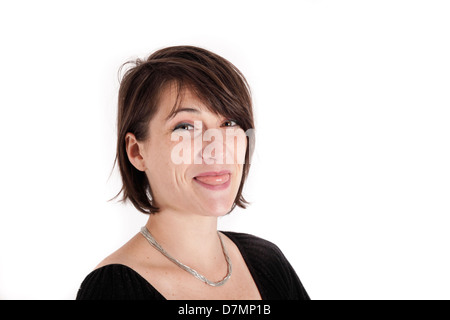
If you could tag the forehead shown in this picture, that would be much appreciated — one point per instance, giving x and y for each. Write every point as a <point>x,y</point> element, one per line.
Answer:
<point>174,97</point>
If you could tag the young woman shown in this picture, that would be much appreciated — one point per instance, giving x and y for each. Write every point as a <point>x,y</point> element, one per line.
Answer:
<point>170,107</point>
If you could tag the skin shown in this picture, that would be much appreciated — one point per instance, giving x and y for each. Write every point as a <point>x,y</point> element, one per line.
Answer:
<point>186,225</point>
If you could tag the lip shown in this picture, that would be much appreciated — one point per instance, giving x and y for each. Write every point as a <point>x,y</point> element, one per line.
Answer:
<point>221,186</point>
<point>213,173</point>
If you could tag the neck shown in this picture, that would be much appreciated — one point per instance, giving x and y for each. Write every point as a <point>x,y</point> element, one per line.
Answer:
<point>189,238</point>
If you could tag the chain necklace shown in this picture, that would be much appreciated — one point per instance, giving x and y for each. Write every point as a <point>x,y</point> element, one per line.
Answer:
<point>158,247</point>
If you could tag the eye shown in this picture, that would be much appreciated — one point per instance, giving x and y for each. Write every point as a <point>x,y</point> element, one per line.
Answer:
<point>230,123</point>
<point>183,126</point>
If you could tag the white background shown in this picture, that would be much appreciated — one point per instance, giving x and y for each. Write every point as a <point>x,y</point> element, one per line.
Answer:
<point>351,174</point>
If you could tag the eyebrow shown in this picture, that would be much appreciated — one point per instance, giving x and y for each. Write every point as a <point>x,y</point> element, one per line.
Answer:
<point>174,113</point>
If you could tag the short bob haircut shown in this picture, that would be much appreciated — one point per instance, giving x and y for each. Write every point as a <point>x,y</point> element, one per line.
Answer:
<point>214,80</point>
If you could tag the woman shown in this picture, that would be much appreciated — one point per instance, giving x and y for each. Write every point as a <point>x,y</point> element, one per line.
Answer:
<point>170,108</point>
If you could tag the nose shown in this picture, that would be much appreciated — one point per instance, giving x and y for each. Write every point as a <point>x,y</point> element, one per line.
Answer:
<point>214,146</point>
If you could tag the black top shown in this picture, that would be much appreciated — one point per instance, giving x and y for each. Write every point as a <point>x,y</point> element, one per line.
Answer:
<point>272,273</point>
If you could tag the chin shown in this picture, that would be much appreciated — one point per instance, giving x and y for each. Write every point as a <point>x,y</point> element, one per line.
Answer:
<point>217,208</point>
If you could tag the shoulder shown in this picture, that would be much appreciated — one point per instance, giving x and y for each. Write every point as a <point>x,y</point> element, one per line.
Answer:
<point>126,255</point>
<point>273,273</point>
<point>116,277</point>
<point>254,246</point>
<point>119,277</point>
<point>115,282</point>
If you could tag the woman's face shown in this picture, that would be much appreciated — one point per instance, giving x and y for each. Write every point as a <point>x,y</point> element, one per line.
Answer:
<point>193,159</point>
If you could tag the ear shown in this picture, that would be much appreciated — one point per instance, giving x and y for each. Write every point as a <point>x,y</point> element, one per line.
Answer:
<point>134,151</point>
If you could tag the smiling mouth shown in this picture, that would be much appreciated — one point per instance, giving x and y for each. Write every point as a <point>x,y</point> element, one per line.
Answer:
<point>214,180</point>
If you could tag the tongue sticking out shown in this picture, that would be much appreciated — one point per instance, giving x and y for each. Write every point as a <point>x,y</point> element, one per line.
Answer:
<point>214,180</point>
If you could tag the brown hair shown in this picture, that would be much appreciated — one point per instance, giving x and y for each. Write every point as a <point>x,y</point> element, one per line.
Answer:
<point>216,82</point>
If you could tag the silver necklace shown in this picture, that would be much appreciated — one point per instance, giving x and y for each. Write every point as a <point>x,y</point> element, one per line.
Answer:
<point>158,247</point>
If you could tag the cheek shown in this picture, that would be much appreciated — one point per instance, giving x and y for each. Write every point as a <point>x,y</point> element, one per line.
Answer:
<point>238,177</point>
<point>162,171</point>
<point>236,146</point>
<point>183,147</point>
<point>155,155</point>
<point>155,158</point>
